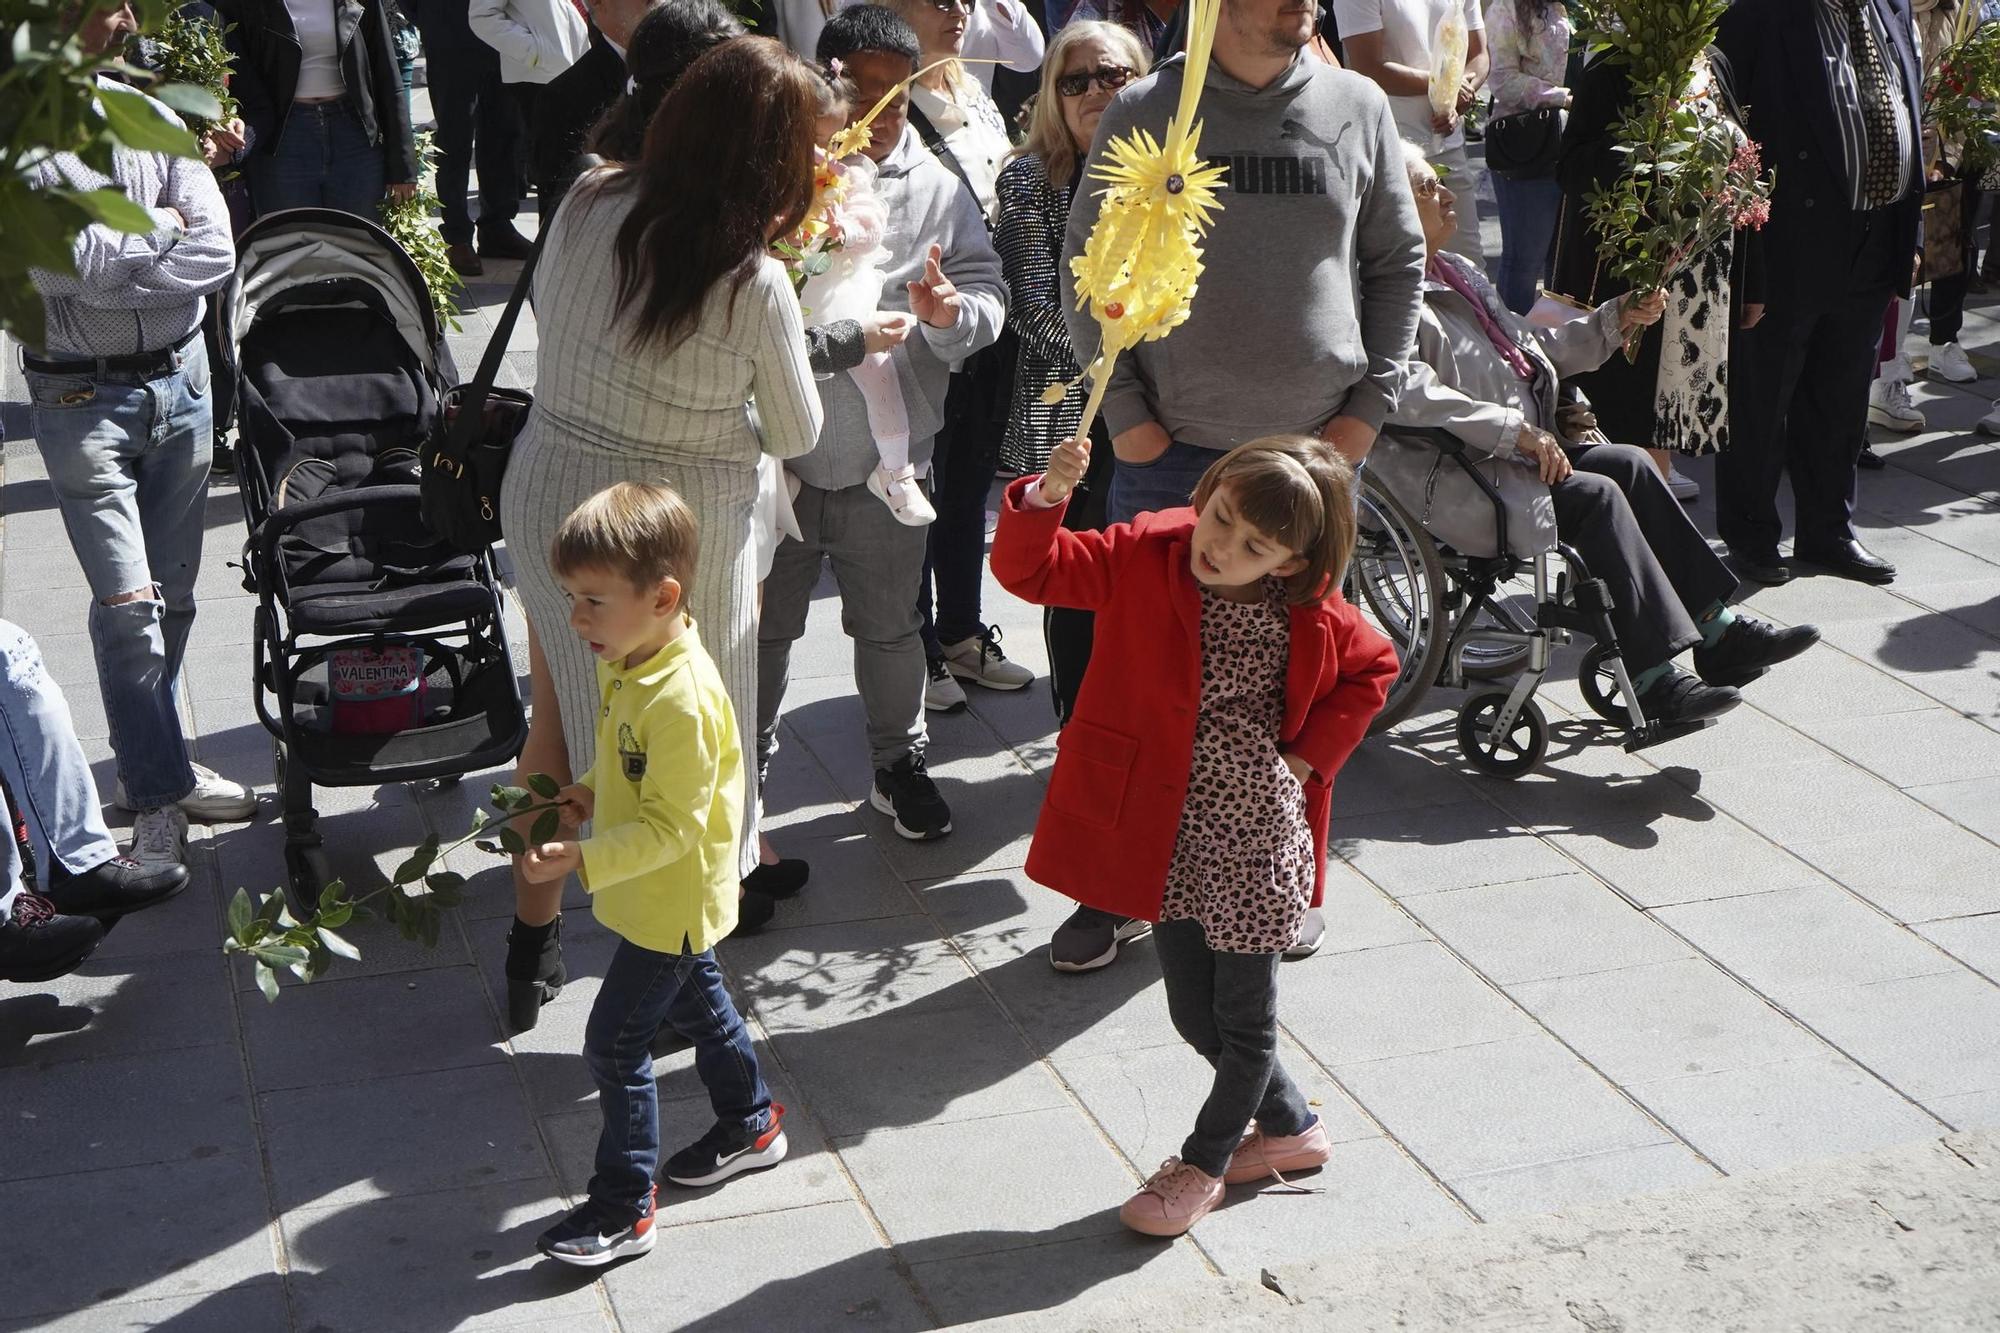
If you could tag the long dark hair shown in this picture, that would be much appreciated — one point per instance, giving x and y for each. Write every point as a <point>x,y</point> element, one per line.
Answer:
<point>672,36</point>
<point>728,163</point>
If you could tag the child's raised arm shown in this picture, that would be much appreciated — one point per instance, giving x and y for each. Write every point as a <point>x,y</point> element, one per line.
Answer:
<point>1040,561</point>
<point>675,797</point>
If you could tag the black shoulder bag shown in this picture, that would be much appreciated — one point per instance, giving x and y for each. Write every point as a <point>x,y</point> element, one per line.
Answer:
<point>466,458</point>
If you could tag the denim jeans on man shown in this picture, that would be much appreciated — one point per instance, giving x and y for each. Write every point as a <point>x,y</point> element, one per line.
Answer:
<point>1528,213</point>
<point>128,457</point>
<point>1167,482</point>
<point>962,468</point>
<point>44,767</point>
<point>1225,1005</point>
<point>323,160</point>
<point>643,989</point>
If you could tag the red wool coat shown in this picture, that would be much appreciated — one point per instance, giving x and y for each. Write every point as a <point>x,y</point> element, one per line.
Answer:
<point>1106,833</point>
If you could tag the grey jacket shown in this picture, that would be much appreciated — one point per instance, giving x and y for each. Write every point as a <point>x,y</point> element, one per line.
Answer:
<point>927,206</point>
<point>1459,383</point>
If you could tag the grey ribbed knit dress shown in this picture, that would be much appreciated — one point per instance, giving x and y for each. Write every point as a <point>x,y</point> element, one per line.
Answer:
<point>606,413</point>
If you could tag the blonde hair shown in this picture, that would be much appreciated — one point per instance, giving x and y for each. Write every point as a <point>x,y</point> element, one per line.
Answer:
<point>1298,491</point>
<point>640,530</point>
<point>1048,134</point>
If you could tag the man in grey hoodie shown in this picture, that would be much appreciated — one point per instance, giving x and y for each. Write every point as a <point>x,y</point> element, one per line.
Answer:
<point>1308,301</point>
<point>1309,295</point>
<point>943,270</point>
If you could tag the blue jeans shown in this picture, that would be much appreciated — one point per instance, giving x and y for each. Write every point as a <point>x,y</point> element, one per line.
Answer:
<point>323,160</point>
<point>643,989</point>
<point>44,768</point>
<point>1528,213</point>
<point>128,458</point>
<point>1167,482</point>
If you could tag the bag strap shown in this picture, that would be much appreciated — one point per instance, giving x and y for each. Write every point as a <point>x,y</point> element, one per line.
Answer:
<point>935,142</point>
<point>472,402</point>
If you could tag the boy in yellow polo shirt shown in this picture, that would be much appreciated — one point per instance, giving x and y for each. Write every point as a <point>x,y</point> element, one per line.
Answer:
<point>664,796</point>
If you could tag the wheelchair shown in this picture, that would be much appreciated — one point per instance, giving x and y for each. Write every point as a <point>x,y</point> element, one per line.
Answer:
<point>1454,626</point>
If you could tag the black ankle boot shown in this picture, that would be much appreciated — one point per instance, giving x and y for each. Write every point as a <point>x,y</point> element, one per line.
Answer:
<point>535,972</point>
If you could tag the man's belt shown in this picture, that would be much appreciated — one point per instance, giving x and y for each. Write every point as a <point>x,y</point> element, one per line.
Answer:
<point>149,362</point>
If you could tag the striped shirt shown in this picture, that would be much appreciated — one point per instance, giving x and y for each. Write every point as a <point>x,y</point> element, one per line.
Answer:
<point>137,293</point>
<point>1831,16</point>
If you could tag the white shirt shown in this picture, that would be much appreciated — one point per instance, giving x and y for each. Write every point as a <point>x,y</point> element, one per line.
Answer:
<point>1406,27</point>
<point>319,50</point>
<point>976,136</point>
<point>1002,30</point>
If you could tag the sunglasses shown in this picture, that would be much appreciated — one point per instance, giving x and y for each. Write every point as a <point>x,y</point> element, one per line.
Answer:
<point>953,6</point>
<point>1108,77</point>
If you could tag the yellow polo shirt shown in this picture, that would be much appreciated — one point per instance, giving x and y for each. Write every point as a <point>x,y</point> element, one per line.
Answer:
<point>660,863</point>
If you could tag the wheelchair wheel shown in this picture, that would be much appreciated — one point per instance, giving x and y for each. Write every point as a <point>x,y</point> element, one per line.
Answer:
<point>1486,660</point>
<point>1600,687</point>
<point>1518,751</point>
<point>1397,581</point>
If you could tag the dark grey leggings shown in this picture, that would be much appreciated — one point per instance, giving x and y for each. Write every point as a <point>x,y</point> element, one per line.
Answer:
<point>1225,1005</point>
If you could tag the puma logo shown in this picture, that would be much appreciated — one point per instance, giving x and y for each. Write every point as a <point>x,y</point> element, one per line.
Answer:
<point>1299,133</point>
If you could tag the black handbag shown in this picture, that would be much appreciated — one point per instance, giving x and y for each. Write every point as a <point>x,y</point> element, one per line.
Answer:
<point>1524,146</point>
<point>467,456</point>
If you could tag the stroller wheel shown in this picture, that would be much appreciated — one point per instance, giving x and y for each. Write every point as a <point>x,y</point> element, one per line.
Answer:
<point>1512,754</point>
<point>1600,686</point>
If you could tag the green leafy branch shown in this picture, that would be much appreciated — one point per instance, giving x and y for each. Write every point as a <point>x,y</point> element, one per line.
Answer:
<point>190,50</point>
<point>414,900</point>
<point>409,222</point>
<point>1962,98</point>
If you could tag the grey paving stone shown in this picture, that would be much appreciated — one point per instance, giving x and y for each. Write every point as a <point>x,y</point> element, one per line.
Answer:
<point>1048,1277</point>
<point>1401,1000</point>
<point>1595,784</point>
<point>850,882</point>
<point>316,1136</point>
<point>1831,683</point>
<point>1969,1110</point>
<point>254,1304</point>
<point>1927,872</point>
<point>1906,749</point>
<point>1664,1019</point>
<point>1969,803</point>
<point>1929,1036</point>
<point>118,1007</point>
<point>1549,1187</point>
<point>1795,940</point>
<point>167,1230</point>
<point>1772,1115</point>
<point>1442,847</point>
<point>1361,916</point>
<point>1505,931</point>
<point>1747,738</point>
<point>1802,803</point>
<point>346,1028</point>
<point>1384,776</point>
<point>1827,601</point>
<point>1933,653</point>
<point>823,976</point>
<point>126,1110</point>
<point>1678,860</point>
<point>1973,940</point>
<point>816,1268</point>
<point>461,1259</point>
<point>1078,1183</point>
<point>1516,1102</point>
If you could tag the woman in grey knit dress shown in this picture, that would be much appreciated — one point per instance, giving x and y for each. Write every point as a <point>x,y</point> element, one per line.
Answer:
<point>672,349</point>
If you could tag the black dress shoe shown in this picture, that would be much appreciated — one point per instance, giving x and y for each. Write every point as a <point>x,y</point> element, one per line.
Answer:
<point>505,243</point>
<point>1850,560</point>
<point>1680,697</point>
<point>1870,460</point>
<point>464,259</point>
<point>38,943</point>
<point>115,887</point>
<point>1749,648</point>
<point>782,878</point>
<point>1765,567</point>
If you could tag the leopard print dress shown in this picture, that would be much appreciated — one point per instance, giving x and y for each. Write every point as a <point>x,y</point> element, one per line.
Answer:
<point>1243,859</point>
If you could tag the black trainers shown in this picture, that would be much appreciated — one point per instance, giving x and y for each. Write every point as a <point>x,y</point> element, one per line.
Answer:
<point>1749,648</point>
<point>1090,939</point>
<point>115,887</point>
<point>38,943</point>
<point>1681,697</point>
<point>727,1150</point>
<point>782,878</point>
<point>907,793</point>
<point>754,911</point>
<point>595,1233</point>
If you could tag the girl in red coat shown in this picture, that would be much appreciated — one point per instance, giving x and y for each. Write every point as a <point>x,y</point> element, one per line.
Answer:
<point>1228,684</point>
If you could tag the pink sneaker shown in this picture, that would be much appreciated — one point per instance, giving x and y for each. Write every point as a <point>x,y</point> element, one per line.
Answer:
<point>1267,1156</point>
<point>1177,1197</point>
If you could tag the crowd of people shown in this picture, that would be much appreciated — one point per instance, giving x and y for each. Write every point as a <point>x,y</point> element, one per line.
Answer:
<point>712,431</point>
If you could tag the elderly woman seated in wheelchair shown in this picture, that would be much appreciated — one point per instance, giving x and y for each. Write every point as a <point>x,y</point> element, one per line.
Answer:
<point>1472,452</point>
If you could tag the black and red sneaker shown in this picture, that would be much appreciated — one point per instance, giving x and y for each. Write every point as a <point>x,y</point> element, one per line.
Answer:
<point>729,1149</point>
<point>597,1233</point>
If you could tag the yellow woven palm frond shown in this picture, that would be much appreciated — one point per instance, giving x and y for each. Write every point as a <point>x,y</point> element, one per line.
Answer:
<point>855,137</point>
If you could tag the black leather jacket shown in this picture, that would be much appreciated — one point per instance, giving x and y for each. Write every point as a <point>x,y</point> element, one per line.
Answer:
<point>267,74</point>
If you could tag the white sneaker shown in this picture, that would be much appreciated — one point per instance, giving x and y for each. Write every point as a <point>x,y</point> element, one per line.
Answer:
<point>1312,934</point>
<point>215,799</point>
<point>1949,362</point>
<point>159,836</point>
<point>1889,405</point>
<point>1685,489</point>
<point>1990,423</point>
<point>904,495</point>
<point>942,692</point>
<point>980,661</point>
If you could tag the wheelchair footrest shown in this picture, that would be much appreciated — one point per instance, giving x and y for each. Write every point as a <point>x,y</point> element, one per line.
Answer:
<point>1656,733</point>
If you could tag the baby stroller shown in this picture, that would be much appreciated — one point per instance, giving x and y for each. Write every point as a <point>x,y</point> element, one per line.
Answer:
<point>1453,624</point>
<point>379,653</point>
